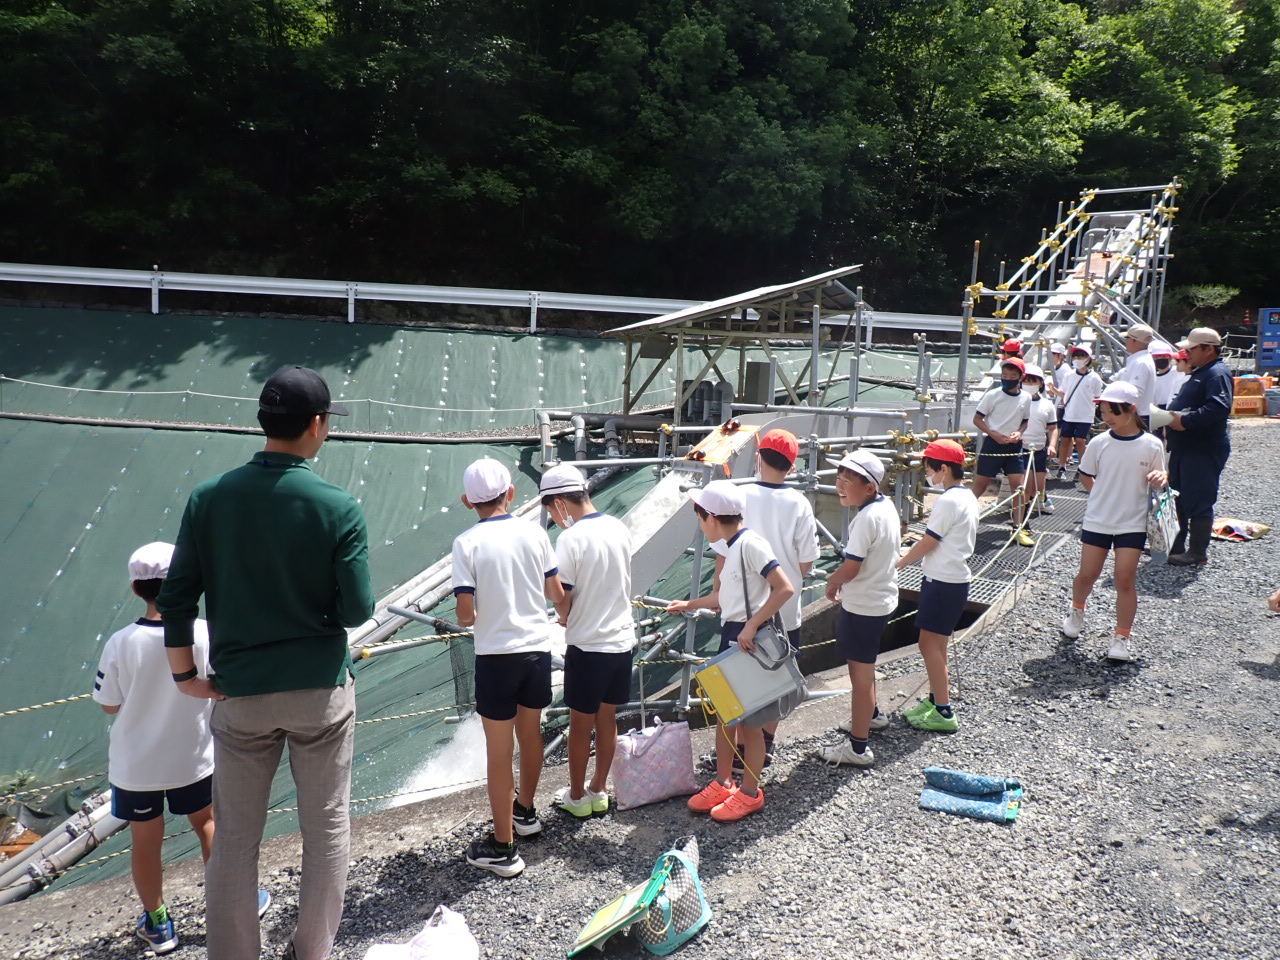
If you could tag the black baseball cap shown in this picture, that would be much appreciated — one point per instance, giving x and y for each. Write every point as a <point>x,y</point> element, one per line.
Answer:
<point>299,391</point>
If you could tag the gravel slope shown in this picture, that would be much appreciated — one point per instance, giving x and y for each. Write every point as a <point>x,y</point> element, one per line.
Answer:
<point>1151,827</point>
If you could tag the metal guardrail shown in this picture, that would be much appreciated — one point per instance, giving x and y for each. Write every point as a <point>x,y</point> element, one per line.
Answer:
<point>157,280</point>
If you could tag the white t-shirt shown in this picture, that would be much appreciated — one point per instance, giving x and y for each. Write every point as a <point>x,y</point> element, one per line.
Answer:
<point>1004,413</point>
<point>784,517</point>
<point>505,561</point>
<point>953,522</point>
<point>1179,380</point>
<point>1082,390</point>
<point>1043,413</point>
<point>1165,388</point>
<point>1140,370</point>
<point>745,545</point>
<point>875,534</point>
<point>595,562</point>
<point>1119,465</point>
<point>160,739</point>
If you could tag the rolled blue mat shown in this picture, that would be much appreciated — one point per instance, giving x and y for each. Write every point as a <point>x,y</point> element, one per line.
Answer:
<point>994,799</point>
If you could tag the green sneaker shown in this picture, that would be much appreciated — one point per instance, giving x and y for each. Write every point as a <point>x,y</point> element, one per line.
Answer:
<point>599,801</point>
<point>919,710</point>
<point>933,720</point>
<point>580,807</point>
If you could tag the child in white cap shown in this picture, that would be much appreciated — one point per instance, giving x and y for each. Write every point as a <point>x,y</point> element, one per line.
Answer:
<point>504,570</point>
<point>866,584</point>
<point>1040,437</point>
<point>594,556</point>
<point>161,746</point>
<point>749,561</point>
<point>1078,410</point>
<point>1117,468</point>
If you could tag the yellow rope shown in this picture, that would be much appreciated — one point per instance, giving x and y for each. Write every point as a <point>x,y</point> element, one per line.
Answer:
<point>41,706</point>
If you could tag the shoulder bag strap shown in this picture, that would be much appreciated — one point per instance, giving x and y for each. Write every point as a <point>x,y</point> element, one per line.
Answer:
<point>759,654</point>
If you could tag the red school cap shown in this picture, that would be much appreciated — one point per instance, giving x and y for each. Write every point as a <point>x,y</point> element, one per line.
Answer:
<point>783,441</point>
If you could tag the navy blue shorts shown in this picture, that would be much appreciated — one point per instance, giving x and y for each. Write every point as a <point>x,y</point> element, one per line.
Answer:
<point>139,806</point>
<point>1040,461</point>
<point>505,681</point>
<point>858,636</point>
<point>730,629</point>
<point>1114,541</point>
<point>592,678</point>
<point>941,605</point>
<point>1075,430</point>
<point>997,458</point>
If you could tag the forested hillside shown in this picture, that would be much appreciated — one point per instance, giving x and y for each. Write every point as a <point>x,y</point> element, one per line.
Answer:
<point>646,147</point>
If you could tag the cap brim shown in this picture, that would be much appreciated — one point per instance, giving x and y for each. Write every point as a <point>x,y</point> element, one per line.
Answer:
<point>1183,344</point>
<point>562,488</point>
<point>338,411</point>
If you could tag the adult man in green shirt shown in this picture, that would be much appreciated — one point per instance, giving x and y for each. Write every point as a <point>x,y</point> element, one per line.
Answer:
<point>281,558</point>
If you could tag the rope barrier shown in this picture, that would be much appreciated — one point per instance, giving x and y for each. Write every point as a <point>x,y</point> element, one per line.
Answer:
<point>41,706</point>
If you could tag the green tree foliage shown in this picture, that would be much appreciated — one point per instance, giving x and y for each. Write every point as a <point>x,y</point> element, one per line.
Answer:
<point>676,147</point>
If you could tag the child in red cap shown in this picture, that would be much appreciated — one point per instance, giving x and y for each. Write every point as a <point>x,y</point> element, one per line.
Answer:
<point>943,551</point>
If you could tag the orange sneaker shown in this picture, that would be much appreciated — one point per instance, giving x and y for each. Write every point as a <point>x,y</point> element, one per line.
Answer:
<point>712,795</point>
<point>737,806</point>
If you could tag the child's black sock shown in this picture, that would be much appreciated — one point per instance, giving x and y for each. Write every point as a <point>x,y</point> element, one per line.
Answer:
<point>859,744</point>
<point>944,709</point>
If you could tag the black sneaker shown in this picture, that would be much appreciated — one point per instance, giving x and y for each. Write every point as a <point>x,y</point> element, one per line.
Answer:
<point>525,820</point>
<point>502,859</point>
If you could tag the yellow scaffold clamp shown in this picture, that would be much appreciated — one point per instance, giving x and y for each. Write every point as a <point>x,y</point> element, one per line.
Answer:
<point>975,291</point>
<point>1001,313</point>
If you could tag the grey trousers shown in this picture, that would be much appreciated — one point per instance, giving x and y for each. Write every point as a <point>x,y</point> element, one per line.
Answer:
<point>249,734</point>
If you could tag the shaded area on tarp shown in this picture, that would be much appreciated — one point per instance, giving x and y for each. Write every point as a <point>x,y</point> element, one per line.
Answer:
<point>103,364</point>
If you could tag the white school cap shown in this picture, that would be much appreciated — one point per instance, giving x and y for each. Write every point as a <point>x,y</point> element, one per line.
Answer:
<point>562,478</point>
<point>1120,392</point>
<point>485,480</point>
<point>151,562</point>
<point>720,498</point>
<point>1058,348</point>
<point>1033,371</point>
<point>861,462</point>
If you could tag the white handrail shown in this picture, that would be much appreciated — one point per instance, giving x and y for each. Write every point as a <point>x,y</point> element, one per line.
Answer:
<point>157,280</point>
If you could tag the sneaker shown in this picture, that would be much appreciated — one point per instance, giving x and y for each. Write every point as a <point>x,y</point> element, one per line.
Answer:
<point>933,720</point>
<point>161,938</point>
<point>878,722</point>
<point>711,796</point>
<point>502,859</point>
<point>1073,623</point>
<point>920,709</point>
<point>842,754</point>
<point>1046,506</point>
<point>264,901</point>
<point>1062,473</point>
<point>580,807</point>
<point>1024,538</point>
<point>599,801</point>
<point>737,805</point>
<point>1120,649</point>
<point>525,820</point>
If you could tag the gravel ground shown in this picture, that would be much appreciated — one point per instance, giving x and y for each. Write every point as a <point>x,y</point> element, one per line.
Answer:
<point>1151,826</point>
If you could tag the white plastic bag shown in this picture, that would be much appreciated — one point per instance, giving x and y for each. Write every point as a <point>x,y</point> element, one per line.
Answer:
<point>445,937</point>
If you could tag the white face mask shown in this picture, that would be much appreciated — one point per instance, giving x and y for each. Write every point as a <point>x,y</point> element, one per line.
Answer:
<point>1035,392</point>
<point>1080,363</point>
<point>566,520</point>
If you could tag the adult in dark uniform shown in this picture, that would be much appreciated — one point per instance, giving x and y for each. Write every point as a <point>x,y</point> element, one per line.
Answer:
<point>1199,444</point>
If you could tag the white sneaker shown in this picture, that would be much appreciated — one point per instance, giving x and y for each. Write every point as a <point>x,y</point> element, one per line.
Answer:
<point>1073,623</point>
<point>1046,505</point>
<point>841,754</point>
<point>1120,651</point>
<point>879,722</point>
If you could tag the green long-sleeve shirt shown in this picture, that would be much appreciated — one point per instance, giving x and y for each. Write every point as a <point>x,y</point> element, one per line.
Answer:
<point>282,559</point>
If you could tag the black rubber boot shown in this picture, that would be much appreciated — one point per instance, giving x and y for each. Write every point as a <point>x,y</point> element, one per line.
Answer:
<point>1197,554</point>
